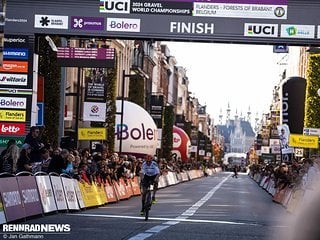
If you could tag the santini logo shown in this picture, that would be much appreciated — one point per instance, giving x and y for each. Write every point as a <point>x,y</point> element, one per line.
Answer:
<point>260,30</point>
<point>123,25</point>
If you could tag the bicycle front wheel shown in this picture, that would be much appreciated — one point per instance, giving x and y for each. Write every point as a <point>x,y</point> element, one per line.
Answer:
<point>147,206</point>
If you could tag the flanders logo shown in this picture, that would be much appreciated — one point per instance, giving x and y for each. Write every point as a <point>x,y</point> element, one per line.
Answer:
<point>14,116</point>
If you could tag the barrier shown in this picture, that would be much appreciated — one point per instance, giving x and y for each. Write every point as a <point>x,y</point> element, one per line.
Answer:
<point>110,192</point>
<point>290,197</point>
<point>28,195</point>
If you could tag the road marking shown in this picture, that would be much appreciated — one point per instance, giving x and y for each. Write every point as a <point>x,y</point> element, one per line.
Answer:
<point>182,218</point>
<point>170,221</point>
<point>141,236</point>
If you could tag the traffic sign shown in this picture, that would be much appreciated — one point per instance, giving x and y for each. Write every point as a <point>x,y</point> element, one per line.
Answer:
<point>298,152</point>
<point>311,131</point>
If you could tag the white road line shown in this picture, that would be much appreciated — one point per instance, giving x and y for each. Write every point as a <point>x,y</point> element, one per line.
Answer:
<point>170,221</point>
<point>141,236</point>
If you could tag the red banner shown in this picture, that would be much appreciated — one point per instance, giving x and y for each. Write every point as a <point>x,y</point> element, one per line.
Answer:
<point>15,129</point>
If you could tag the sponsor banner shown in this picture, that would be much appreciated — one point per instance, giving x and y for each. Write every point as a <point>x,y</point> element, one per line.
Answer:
<point>260,30</point>
<point>303,141</point>
<point>13,102</point>
<point>15,41</point>
<point>16,129</point>
<point>4,140</point>
<point>192,28</point>
<point>292,99</point>
<point>297,31</point>
<point>123,25</point>
<point>92,134</point>
<point>265,149</point>
<point>30,195</point>
<point>2,216</point>
<point>13,79</point>
<point>88,194</point>
<point>94,111</point>
<point>51,21</point>
<point>114,6</point>
<point>139,135</point>
<point>78,192</point>
<point>16,91</point>
<point>156,109</point>
<point>161,7</point>
<point>87,23</point>
<point>58,193</point>
<point>239,10</point>
<point>46,194</point>
<point>70,194</point>
<point>271,2</point>
<point>86,53</point>
<point>95,85</point>
<point>11,199</point>
<point>12,116</point>
<point>275,149</point>
<point>15,53</point>
<point>14,67</point>
<point>274,141</point>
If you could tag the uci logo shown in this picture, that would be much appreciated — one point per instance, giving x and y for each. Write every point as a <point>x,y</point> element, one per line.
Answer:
<point>114,6</point>
<point>261,30</point>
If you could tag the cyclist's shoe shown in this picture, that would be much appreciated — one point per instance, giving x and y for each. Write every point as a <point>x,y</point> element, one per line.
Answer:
<point>142,212</point>
<point>154,201</point>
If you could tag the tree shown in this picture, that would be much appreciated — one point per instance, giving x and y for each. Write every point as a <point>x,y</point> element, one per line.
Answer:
<point>312,105</point>
<point>167,132</point>
<point>51,72</point>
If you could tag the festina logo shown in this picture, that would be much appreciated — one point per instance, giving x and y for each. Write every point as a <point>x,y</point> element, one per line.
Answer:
<point>193,28</point>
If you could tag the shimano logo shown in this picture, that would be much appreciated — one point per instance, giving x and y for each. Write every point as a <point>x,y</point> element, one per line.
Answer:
<point>123,25</point>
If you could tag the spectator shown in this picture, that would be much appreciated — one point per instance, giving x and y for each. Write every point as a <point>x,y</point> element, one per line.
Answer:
<point>9,143</point>
<point>10,159</point>
<point>58,162</point>
<point>33,140</point>
<point>24,163</point>
<point>69,165</point>
<point>45,159</point>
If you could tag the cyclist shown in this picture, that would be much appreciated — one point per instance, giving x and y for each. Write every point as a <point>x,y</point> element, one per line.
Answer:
<point>149,174</point>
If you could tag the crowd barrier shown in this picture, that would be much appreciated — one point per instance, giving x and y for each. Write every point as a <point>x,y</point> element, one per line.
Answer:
<point>23,196</point>
<point>289,196</point>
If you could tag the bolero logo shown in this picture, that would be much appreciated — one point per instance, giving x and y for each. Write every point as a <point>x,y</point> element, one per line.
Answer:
<point>141,133</point>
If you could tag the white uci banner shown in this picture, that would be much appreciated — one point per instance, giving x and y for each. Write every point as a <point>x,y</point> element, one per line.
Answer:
<point>59,193</point>
<point>70,194</point>
<point>94,111</point>
<point>46,194</point>
<point>78,192</point>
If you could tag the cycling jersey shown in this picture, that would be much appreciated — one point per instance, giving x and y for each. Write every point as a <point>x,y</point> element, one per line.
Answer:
<point>150,170</point>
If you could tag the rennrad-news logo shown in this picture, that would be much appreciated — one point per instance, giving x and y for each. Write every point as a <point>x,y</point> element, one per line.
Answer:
<point>114,6</point>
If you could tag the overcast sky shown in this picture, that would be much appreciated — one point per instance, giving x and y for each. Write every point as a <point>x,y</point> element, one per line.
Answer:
<point>241,75</point>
